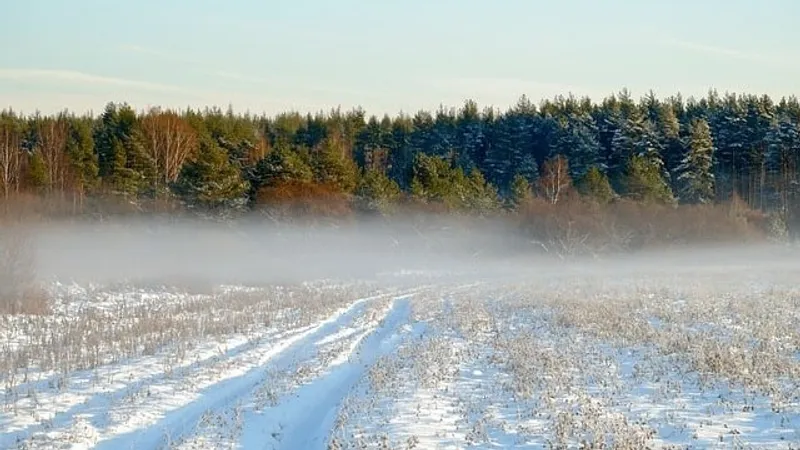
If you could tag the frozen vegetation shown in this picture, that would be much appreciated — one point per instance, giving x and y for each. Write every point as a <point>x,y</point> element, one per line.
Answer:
<point>678,350</point>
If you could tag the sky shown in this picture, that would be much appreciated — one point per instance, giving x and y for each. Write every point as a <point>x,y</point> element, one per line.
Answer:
<point>387,56</point>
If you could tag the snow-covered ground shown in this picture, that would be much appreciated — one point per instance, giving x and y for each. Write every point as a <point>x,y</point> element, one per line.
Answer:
<point>710,360</point>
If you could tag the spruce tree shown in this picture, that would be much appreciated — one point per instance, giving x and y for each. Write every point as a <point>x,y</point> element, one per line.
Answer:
<point>695,173</point>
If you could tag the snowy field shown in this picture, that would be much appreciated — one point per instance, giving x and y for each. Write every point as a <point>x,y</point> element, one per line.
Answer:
<point>625,359</point>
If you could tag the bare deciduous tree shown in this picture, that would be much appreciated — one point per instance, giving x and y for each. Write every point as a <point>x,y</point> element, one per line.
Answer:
<point>53,134</point>
<point>170,141</point>
<point>555,179</point>
<point>10,156</point>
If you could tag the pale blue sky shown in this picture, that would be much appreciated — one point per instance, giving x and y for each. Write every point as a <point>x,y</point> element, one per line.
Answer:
<point>386,55</point>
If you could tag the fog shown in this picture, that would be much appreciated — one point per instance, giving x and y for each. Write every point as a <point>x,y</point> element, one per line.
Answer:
<point>256,253</point>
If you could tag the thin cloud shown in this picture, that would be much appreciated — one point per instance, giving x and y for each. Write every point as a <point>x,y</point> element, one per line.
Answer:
<point>72,76</point>
<point>160,54</point>
<point>204,66</point>
<point>727,52</point>
<point>207,69</point>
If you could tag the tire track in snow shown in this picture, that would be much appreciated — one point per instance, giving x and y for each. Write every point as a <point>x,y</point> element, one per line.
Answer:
<point>86,398</point>
<point>306,419</point>
<point>152,429</point>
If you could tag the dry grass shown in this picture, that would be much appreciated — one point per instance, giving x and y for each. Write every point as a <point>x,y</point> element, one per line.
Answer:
<point>93,329</point>
<point>704,350</point>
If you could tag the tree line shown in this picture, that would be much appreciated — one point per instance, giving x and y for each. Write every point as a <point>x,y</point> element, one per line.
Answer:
<point>668,151</point>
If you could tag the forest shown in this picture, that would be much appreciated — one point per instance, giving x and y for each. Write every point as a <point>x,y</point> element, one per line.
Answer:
<point>672,154</point>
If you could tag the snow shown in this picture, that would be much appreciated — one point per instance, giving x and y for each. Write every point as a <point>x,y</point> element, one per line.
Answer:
<point>709,363</point>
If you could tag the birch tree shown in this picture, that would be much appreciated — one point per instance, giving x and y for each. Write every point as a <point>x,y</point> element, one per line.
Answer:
<point>555,179</point>
<point>169,141</point>
<point>10,153</point>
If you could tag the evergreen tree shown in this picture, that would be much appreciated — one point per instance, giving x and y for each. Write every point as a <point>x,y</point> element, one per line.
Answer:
<point>669,132</point>
<point>401,155</point>
<point>696,176</point>
<point>595,186</point>
<point>529,169</point>
<point>211,181</point>
<point>123,162</point>
<point>280,166</point>
<point>370,146</point>
<point>471,137</point>
<point>481,196</point>
<point>37,172</point>
<point>376,192</point>
<point>433,179</point>
<point>521,192</point>
<point>783,159</point>
<point>645,183</point>
<point>332,168</point>
<point>82,157</point>
<point>514,141</point>
<point>576,139</point>
<point>636,139</point>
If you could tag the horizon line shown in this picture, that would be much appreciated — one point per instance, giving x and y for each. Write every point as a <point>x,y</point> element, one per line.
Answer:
<point>401,113</point>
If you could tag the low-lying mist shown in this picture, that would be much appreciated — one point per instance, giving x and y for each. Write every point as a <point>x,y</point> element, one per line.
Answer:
<point>250,253</point>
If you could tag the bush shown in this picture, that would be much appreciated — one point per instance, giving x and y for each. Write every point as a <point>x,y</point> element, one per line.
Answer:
<point>580,227</point>
<point>303,200</point>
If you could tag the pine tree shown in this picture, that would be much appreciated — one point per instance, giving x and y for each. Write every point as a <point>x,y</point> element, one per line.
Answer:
<point>481,196</point>
<point>211,181</point>
<point>124,164</point>
<point>645,183</point>
<point>471,136</point>
<point>332,168</point>
<point>576,138</point>
<point>729,128</point>
<point>529,169</point>
<point>521,192</point>
<point>595,186</point>
<point>783,159</point>
<point>83,159</point>
<point>696,176</point>
<point>280,166</point>
<point>433,179</point>
<point>37,172</point>
<point>514,142</point>
<point>376,192</point>
<point>637,139</point>
<point>401,155</point>
<point>669,131</point>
